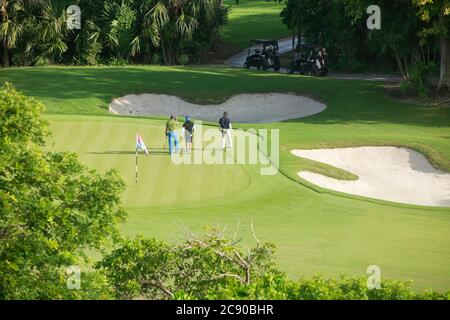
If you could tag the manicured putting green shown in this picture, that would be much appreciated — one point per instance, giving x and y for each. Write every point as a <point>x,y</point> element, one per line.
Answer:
<point>110,144</point>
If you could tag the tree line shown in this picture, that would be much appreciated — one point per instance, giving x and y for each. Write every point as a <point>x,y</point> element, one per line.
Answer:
<point>34,32</point>
<point>414,35</point>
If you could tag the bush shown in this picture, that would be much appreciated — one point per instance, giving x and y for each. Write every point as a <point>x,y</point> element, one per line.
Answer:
<point>419,79</point>
<point>276,287</point>
<point>156,59</point>
<point>41,61</point>
<point>117,62</point>
<point>213,267</point>
<point>194,269</point>
<point>183,59</point>
<point>51,208</point>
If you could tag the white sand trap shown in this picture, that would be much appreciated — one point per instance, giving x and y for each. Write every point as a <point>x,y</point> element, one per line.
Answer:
<point>244,108</point>
<point>388,173</point>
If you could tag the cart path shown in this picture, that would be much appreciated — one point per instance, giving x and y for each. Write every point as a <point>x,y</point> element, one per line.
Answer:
<point>285,45</point>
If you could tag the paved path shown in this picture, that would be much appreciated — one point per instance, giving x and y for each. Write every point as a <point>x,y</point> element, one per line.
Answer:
<point>285,45</point>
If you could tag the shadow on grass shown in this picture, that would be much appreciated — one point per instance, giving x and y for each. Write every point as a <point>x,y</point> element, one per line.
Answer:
<point>131,152</point>
<point>152,151</point>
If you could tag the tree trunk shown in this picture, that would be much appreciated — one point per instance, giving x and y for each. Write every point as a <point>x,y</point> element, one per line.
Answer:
<point>400,67</point>
<point>5,57</point>
<point>406,67</point>
<point>294,34</point>
<point>163,52</point>
<point>444,77</point>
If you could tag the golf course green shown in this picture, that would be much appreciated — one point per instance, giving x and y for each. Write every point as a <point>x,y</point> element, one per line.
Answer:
<point>315,230</point>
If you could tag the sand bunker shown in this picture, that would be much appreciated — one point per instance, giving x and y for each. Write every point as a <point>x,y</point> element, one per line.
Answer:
<point>388,173</point>
<point>243,108</point>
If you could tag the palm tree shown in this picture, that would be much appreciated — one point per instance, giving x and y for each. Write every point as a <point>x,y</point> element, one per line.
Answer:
<point>169,23</point>
<point>10,26</point>
<point>53,29</point>
<point>36,29</point>
<point>152,16</point>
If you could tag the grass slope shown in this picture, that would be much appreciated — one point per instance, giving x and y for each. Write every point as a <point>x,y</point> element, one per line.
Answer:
<point>254,20</point>
<point>316,232</point>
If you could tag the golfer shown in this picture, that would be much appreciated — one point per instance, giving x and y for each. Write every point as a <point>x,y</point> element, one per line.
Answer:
<point>187,131</point>
<point>171,126</point>
<point>225,128</point>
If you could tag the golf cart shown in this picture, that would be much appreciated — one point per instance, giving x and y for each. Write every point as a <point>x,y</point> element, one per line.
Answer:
<point>265,57</point>
<point>309,59</point>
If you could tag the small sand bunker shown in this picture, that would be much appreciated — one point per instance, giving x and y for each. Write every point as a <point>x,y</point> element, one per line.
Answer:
<point>388,173</point>
<point>243,108</point>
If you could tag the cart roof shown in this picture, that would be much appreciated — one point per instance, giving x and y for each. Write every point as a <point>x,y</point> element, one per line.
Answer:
<point>265,41</point>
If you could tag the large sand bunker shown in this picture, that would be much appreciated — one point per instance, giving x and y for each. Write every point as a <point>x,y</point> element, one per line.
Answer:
<point>243,108</point>
<point>388,173</point>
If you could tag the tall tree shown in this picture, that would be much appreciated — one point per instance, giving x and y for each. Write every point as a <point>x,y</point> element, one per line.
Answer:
<point>398,36</point>
<point>51,207</point>
<point>291,17</point>
<point>11,12</point>
<point>52,28</point>
<point>173,23</point>
<point>436,13</point>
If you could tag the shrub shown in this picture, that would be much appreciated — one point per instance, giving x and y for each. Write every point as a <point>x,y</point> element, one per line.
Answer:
<point>213,267</point>
<point>51,208</point>
<point>156,59</point>
<point>183,59</point>
<point>419,81</point>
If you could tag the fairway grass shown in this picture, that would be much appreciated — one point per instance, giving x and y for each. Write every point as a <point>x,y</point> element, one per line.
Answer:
<point>254,19</point>
<point>316,231</point>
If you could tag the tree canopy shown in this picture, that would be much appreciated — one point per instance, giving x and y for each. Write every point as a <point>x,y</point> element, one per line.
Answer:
<point>112,31</point>
<point>414,34</point>
<point>52,207</point>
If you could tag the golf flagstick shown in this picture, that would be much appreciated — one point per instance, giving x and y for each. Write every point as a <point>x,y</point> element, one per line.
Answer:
<point>165,141</point>
<point>137,137</point>
<point>139,145</point>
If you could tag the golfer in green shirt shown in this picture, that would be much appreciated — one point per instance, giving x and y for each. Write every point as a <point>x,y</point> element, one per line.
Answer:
<point>171,126</point>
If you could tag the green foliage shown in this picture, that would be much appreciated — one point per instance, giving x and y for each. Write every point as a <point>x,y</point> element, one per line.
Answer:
<point>437,15</point>
<point>153,269</point>
<point>115,62</point>
<point>111,30</point>
<point>21,118</point>
<point>319,288</point>
<point>212,267</point>
<point>340,26</point>
<point>274,286</point>
<point>51,206</point>
<point>420,79</point>
<point>330,24</point>
<point>183,59</point>
<point>156,59</point>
